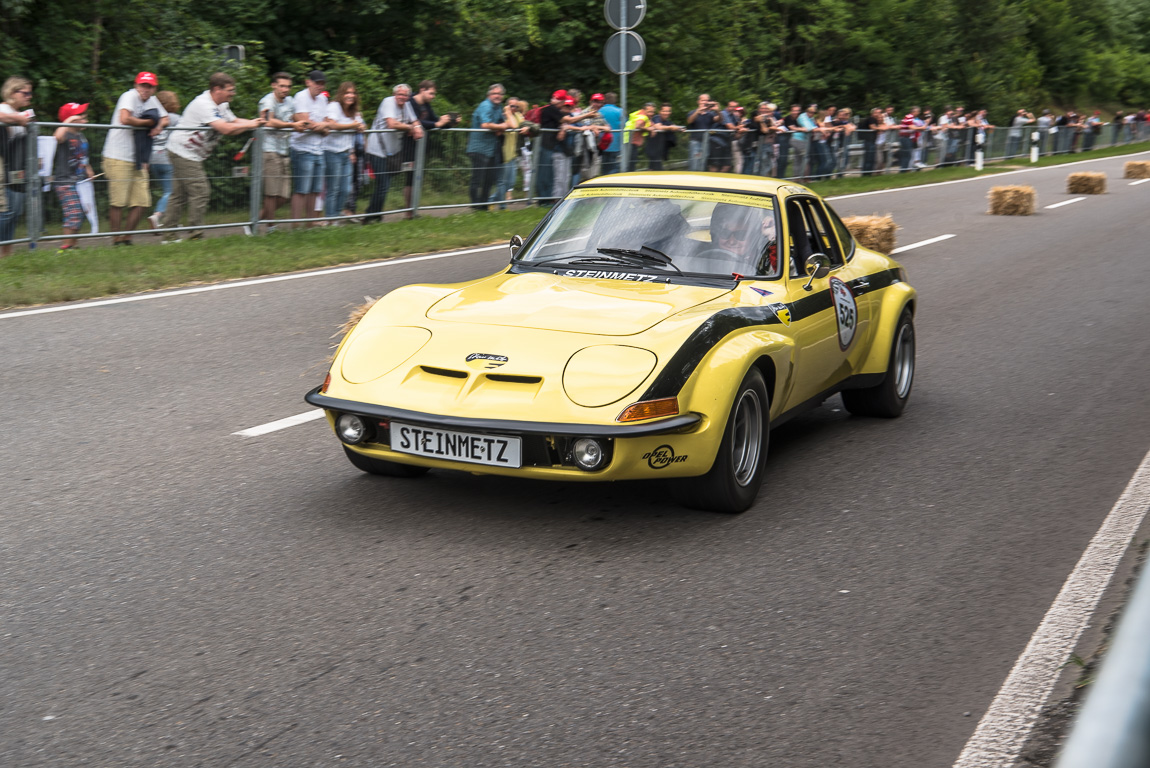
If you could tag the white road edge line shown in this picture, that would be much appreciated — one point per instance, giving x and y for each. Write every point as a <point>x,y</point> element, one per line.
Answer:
<point>273,426</point>
<point>1004,729</point>
<point>987,177</point>
<point>243,283</point>
<point>920,244</point>
<point>1140,181</point>
<point>1065,202</point>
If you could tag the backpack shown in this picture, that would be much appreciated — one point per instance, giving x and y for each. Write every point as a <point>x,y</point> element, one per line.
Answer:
<point>532,115</point>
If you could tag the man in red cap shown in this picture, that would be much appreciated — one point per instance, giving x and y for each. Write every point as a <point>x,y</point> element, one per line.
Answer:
<point>127,184</point>
<point>552,120</point>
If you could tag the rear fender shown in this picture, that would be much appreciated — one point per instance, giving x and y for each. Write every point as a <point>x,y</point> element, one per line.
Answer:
<point>896,298</point>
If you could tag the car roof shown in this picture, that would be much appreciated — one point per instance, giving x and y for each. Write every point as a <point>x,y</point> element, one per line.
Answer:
<point>728,182</point>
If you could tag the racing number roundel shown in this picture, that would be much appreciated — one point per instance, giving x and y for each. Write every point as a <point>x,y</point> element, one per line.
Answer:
<point>846,311</point>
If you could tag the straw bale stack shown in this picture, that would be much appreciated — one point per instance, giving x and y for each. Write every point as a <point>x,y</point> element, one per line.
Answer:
<point>1137,169</point>
<point>1086,183</point>
<point>873,232</point>
<point>1016,200</point>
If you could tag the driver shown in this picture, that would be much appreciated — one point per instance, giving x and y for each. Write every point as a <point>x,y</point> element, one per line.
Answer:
<point>742,231</point>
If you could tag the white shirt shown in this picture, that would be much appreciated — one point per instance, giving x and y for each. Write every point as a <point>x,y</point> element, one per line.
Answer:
<point>119,144</point>
<point>383,144</point>
<point>198,144</point>
<point>340,141</point>
<point>316,110</point>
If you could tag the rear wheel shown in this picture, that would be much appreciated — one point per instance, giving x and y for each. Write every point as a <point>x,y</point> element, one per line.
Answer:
<point>737,474</point>
<point>888,399</point>
<point>381,467</point>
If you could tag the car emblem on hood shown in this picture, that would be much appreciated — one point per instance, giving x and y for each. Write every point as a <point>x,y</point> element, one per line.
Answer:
<point>481,360</point>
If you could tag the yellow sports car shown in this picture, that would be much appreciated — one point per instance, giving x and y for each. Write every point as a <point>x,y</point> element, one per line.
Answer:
<point>653,326</point>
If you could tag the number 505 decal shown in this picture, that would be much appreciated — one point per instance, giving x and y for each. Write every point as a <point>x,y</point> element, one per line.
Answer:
<point>846,311</point>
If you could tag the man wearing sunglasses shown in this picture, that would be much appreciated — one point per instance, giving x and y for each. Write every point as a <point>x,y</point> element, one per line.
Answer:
<point>14,115</point>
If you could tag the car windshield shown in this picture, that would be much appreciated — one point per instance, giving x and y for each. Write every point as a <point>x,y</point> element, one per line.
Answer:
<point>666,230</point>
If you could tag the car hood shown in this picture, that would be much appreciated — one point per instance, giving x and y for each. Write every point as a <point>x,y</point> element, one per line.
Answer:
<point>606,307</point>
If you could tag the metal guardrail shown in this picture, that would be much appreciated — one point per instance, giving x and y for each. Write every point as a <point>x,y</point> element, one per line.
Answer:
<point>440,171</point>
<point>1113,728</point>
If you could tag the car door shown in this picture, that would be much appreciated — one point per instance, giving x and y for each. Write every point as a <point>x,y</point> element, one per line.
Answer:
<point>826,319</point>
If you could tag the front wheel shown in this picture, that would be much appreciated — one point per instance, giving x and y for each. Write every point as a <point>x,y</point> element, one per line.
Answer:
<point>888,399</point>
<point>737,474</point>
<point>381,467</point>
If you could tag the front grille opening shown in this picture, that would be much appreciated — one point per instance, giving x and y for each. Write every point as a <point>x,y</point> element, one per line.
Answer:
<point>444,372</point>
<point>512,379</point>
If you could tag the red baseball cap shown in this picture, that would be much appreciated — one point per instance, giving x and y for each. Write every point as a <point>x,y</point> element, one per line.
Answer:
<point>70,109</point>
<point>597,97</point>
<point>568,102</point>
<point>560,94</point>
<point>147,78</point>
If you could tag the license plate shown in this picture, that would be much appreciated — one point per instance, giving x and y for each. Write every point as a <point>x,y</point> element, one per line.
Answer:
<point>493,450</point>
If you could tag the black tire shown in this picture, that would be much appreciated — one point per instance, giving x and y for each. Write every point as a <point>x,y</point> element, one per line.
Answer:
<point>737,474</point>
<point>381,467</point>
<point>888,399</point>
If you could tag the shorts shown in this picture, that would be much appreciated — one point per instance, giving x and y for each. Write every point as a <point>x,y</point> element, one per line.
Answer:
<point>70,204</point>
<point>719,154</point>
<point>127,186</point>
<point>277,175</point>
<point>308,171</point>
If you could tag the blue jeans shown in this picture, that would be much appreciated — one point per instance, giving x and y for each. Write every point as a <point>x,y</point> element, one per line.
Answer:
<point>544,173</point>
<point>308,172</point>
<point>338,180</point>
<point>506,181</point>
<point>695,156</point>
<point>609,162</point>
<point>162,172</point>
<point>10,218</point>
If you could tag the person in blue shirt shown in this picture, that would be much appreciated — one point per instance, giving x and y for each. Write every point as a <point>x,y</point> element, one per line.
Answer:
<point>483,146</point>
<point>614,117</point>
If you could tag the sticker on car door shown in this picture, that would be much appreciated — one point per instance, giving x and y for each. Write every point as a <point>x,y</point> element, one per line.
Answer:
<point>846,312</point>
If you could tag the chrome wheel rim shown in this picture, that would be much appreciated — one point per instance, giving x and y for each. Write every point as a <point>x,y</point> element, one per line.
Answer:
<point>747,437</point>
<point>904,361</point>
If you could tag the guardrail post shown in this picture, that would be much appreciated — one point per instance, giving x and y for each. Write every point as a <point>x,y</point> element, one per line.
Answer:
<point>536,148</point>
<point>417,182</point>
<point>34,212</point>
<point>256,187</point>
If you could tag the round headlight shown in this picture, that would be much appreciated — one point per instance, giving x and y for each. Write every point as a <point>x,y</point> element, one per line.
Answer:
<point>351,429</point>
<point>587,453</point>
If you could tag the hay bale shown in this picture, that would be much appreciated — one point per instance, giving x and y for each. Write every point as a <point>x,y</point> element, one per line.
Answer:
<point>873,232</point>
<point>1137,169</point>
<point>1086,183</point>
<point>1015,200</point>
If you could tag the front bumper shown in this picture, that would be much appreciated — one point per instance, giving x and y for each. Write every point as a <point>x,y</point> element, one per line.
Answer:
<point>676,446</point>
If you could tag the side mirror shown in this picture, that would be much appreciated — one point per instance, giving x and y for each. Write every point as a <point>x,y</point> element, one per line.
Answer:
<point>818,266</point>
<point>516,243</point>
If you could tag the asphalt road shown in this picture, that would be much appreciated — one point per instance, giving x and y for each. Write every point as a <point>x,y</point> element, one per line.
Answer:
<point>175,595</point>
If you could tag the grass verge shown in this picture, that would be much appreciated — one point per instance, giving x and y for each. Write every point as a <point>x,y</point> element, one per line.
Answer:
<point>45,276</point>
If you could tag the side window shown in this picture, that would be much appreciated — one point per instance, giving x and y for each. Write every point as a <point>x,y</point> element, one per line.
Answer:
<point>845,236</point>
<point>809,231</point>
<point>822,235</point>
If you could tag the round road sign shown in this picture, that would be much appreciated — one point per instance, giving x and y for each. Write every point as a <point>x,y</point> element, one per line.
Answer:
<point>613,10</point>
<point>635,51</point>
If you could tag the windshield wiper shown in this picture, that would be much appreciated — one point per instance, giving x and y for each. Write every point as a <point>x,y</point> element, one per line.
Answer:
<point>645,254</point>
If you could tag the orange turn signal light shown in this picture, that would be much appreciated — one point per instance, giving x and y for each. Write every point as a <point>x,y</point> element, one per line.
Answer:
<point>650,409</point>
<point>326,382</point>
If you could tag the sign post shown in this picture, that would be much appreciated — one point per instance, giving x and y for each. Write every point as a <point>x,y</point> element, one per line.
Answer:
<point>624,53</point>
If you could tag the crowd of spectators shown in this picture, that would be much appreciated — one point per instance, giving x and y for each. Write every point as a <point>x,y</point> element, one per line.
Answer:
<point>318,150</point>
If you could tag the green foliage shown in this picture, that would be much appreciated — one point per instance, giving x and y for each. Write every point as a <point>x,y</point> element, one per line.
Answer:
<point>998,54</point>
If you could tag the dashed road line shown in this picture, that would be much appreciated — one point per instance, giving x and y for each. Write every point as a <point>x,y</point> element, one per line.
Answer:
<point>920,244</point>
<point>1065,202</point>
<point>1004,729</point>
<point>275,426</point>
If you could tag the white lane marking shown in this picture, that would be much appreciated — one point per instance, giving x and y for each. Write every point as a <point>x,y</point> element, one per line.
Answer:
<point>1140,181</point>
<point>1005,727</point>
<point>986,177</point>
<point>1065,202</point>
<point>273,426</point>
<point>920,244</point>
<point>242,283</point>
